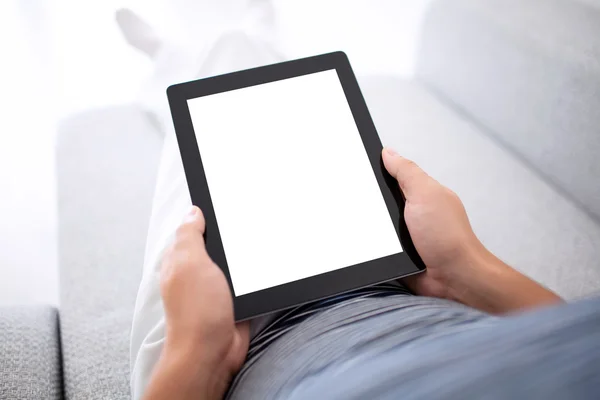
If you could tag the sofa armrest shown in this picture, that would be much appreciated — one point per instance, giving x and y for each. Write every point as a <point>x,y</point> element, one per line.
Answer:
<point>30,360</point>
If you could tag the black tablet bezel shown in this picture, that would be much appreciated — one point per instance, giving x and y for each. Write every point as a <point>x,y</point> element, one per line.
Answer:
<point>318,286</point>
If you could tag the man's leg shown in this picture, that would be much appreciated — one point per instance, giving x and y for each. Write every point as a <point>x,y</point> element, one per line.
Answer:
<point>550,353</point>
<point>232,51</point>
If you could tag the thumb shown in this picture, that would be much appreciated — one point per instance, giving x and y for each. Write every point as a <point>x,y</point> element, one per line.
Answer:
<point>194,220</point>
<point>407,173</point>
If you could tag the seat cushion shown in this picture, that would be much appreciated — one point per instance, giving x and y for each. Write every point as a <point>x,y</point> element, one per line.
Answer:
<point>516,214</point>
<point>30,366</point>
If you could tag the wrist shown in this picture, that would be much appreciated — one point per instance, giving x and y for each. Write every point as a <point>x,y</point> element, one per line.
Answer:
<point>193,365</point>
<point>184,372</point>
<point>486,283</point>
<point>467,273</point>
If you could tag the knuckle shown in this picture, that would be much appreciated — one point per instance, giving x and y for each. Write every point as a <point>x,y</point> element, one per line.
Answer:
<point>172,271</point>
<point>184,229</point>
<point>452,194</point>
<point>409,170</point>
<point>166,266</point>
<point>191,226</point>
<point>167,256</point>
<point>454,197</point>
<point>173,258</point>
<point>410,164</point>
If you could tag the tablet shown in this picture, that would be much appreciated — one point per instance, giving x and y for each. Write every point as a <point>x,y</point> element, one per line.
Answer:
<point>285,162</point>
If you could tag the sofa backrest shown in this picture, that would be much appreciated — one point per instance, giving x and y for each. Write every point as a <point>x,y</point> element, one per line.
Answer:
<point>527,72</point>
<point>106,165</point>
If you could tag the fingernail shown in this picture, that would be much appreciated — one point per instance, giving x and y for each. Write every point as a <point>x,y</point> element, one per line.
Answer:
<point>193,211</point>
<point>391,152</point>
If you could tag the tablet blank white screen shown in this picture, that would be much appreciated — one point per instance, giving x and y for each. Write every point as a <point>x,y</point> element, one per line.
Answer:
<point>291,183</point>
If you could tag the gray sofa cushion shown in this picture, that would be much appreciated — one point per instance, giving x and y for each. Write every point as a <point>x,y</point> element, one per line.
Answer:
<point>529,72</point>
<point>107,162</point>
<point>518,216</point>
<point>30,363</point>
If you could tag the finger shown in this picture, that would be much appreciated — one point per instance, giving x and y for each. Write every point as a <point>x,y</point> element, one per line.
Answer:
<point>194,220</point>
<point>189,236</point>
<point>407,173</point>
<point>193,225</point>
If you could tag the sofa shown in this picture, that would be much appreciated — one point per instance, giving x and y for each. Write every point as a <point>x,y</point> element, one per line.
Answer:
<point>503,109</point>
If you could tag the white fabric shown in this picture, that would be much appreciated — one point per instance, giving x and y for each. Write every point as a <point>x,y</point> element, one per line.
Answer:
<point>232,51</point>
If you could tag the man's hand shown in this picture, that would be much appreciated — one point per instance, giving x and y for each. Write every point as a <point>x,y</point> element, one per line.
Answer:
<point>203,347</point>
<point>459,267</point>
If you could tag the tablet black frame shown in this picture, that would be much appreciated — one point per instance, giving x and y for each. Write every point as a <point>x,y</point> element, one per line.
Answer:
<point>319,286</point>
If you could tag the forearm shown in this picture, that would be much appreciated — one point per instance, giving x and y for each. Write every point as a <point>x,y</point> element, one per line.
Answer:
<point>490,285</point>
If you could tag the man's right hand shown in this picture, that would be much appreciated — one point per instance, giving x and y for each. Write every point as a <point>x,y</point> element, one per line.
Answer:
<point>459,267</point>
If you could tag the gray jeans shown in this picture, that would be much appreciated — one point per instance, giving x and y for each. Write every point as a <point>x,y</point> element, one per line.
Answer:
<point>421,348</point>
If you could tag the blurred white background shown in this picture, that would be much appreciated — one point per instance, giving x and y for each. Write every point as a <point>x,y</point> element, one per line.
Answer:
<point>66,56</point>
